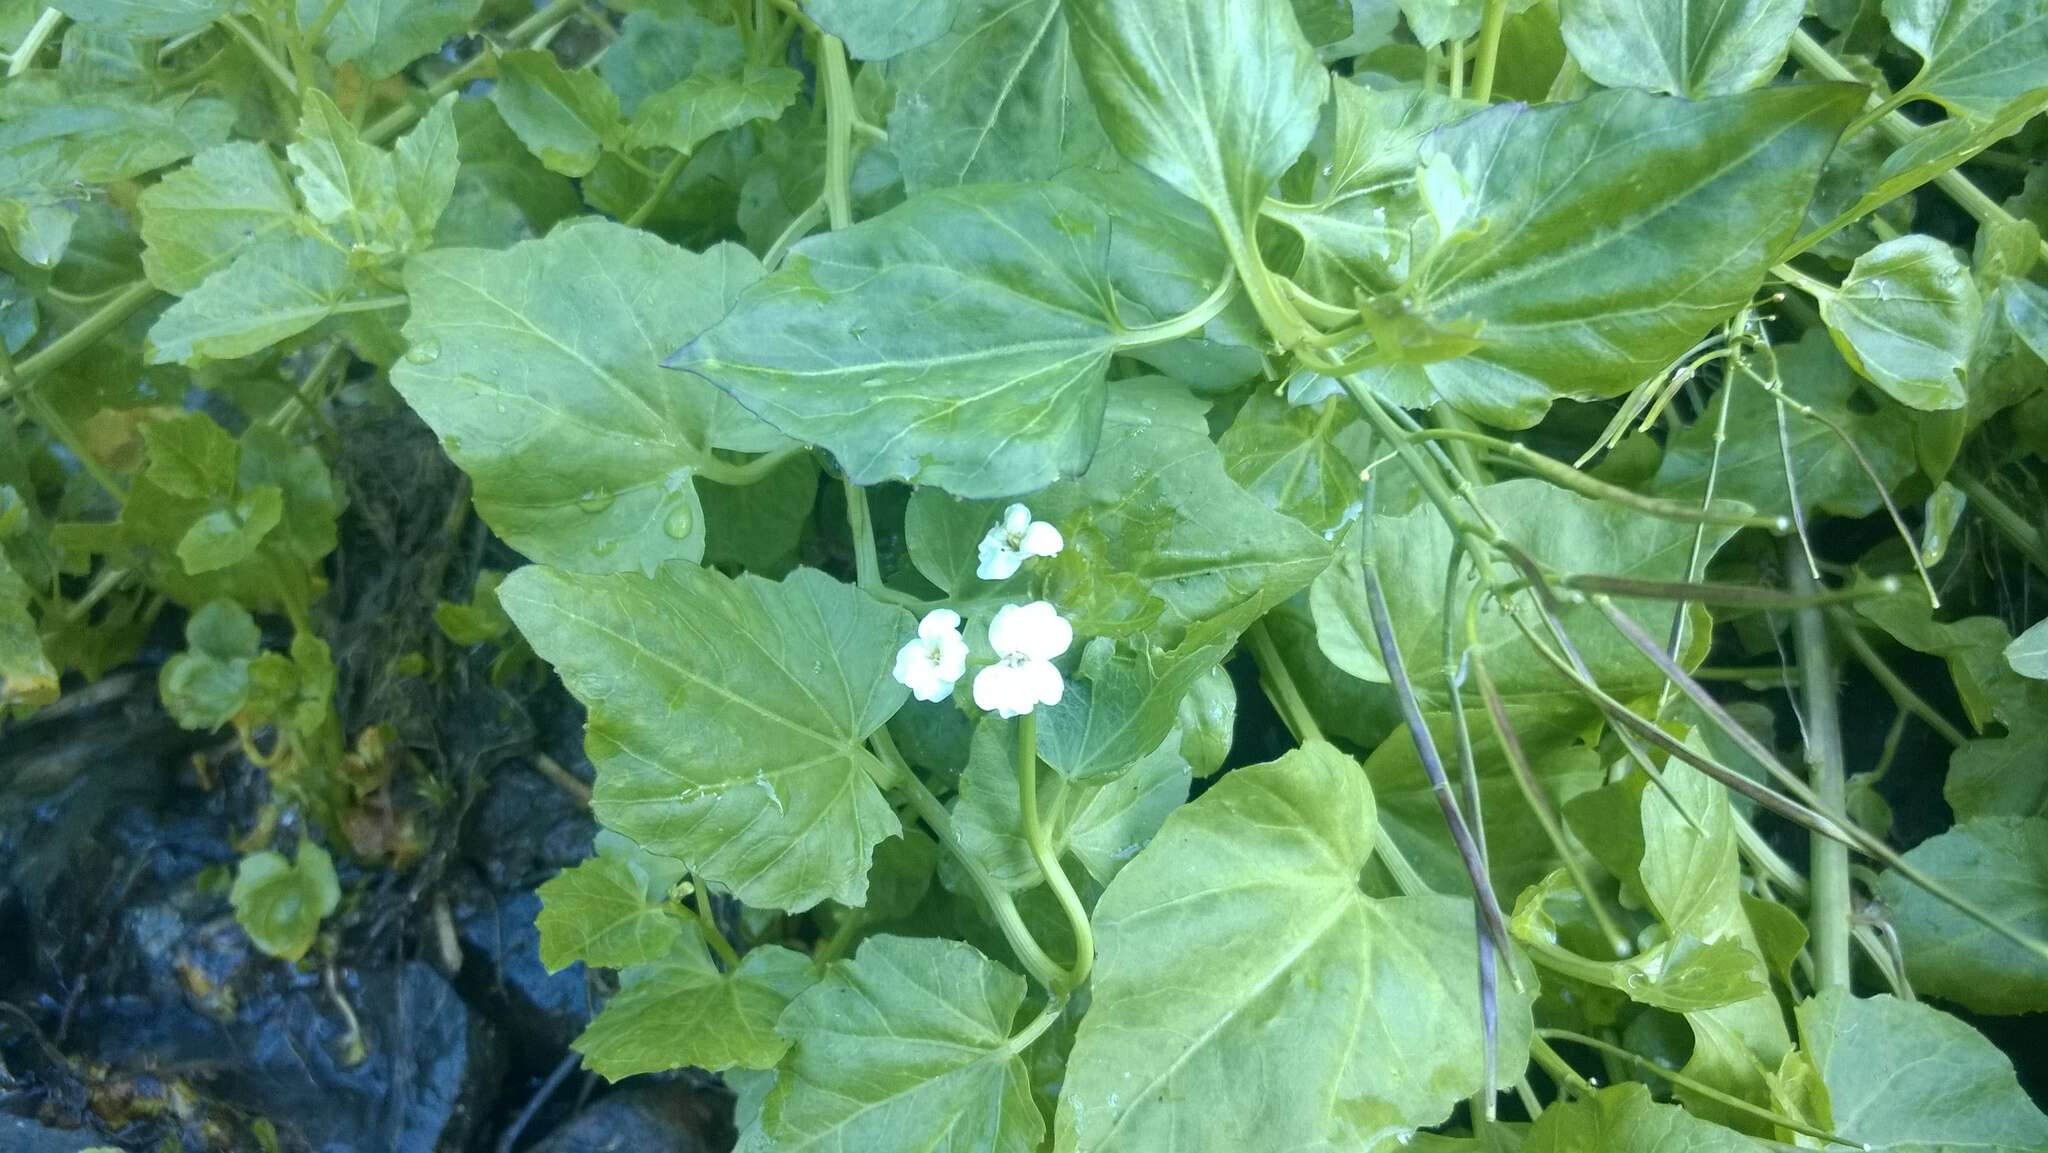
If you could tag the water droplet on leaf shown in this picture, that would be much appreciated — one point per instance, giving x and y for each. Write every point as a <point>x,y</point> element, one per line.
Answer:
<point>594,500</point>
<point>425,352</point>
<point>679,522</point>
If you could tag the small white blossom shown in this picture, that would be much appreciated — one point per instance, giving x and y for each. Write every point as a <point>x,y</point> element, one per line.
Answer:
<point>1026,638</point>
<point>936,660</point>
<point>1015,539</point>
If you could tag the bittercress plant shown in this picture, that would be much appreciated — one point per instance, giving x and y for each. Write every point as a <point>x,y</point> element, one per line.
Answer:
<point>1142,574</point>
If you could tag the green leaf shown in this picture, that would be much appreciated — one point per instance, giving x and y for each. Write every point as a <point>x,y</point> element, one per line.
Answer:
<point>566,118</point>
<point>1904,318</point>
<point>2000,777</point>
<point>206,685</point>
<point>1518,853</point>
<point>147,19</point>
<point>998,97</point>
<point>1752,468</point>
<point>311,504</point>
<point>52,139</point>
<point>1680,973</point>
<point>906,1046</point>
<point>341,178</point>
<point>424,164</point>
<point>760,526</point>
<point>2000,863</point>
<point>1215,97</point>
<point>879,29</point>
<point>229,535</point>
<point>1156,510</point>
<point>679,1011</point>
<point>1562,531</point>
<point>1126,699</point>
<point>600,912</point>
<point>539,367</point>
<point>274,290</point>
<point>1300,460</point>
<point>661,46</point>
<point>1616,231</point>
<point>1208,721</point>
<point>191,456</point>
<point>1974,648</point>
<point>26,674</point>
<point>1625,1119</point>
<point>196,220</point>
<point>1907,1078</point>
<point>734,745</point>
<point>706,104</point>
<point>1690,48</point>
<point>1435,21</point>
<point>1691,873</point>
<point>382,36</point>
<point>2028,653</point>
<point>1975,54</point>
<point>836,349</point>
<point>503,193</point>
<point>1102,824</point>
<point>280,903</point>
<point>1243,921</point>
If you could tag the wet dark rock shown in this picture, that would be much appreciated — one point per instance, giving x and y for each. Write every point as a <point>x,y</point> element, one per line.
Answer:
<point>656,1118</point>
<point>21,1135</point>
<point>524,829</point>
<point>502,974</point>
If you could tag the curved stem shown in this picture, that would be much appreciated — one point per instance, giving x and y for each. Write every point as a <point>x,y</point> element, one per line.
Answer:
<point>1042,968</point>
<point>713,935</point>
<point>2009,522</point>
<point>798,227</point>
<point>1187,323</point>
<point>39,34</point>
<point>662,184</point>
<point>533,31</point>
<point>1901,693</point>
<point>736,475</point>
<point>1048,860</point>
<point>82,336</point>
<point>1701,1088</point>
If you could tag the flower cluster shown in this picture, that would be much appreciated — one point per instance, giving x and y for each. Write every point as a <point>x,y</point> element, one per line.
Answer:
<point>1026,638</point>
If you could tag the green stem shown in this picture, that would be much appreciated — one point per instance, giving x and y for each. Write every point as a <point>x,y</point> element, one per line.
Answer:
<point>264,56</point>
<point>867,568</point>
<point>1187,323</point>
<point>2006,519</point>
<point>31,45</point>
<point>1489,50</point>
<point>46,414</point>
<point>1828,908</point>
<point>839,114</point>
<point>1901,693</point>
<point>1042,967</point>
<point>1565,476</point>
<point>533,31</point>
<point>700,899</point>
<point>1279,685</point>
<point>1560,1070</point>
<point>1042,852</point>
<point>662,184</point>
<point>82,336</point>
<point>372,304</point>
<point>799,225</point>
<point>832,948</point>
<point>319,25</point>
<point>1818,289</point>
<point>1685,1082</point>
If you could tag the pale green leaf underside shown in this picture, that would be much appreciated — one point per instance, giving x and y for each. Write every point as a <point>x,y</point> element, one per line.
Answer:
<point>599,912</point>
<point>905,1046</point>
<point>196,220</point>
<point>273,291</point>
<point>1618,230</point>
<point>539,367</point>
<point>1689,48</point>
<point>1248,995</point>
<point>726,718</point>
<point>1975,54</point>
<point>1904,317</point>
<point>679,1011</point>
<point>2001,863</point>
<point>1904,1077</point>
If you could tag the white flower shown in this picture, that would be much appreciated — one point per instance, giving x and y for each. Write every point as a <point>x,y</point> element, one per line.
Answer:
<point>1026,639</point>
<point>935,661</point>
<point>1015,539</point>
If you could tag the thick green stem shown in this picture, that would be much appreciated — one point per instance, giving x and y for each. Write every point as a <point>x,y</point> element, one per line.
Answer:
<point>84,335</point>
<point>838,131</point>
<point>31,45</point>
<point>867,568</point>
<point>2015,527</point>
<point>713,935</point>
<point>1489,50</point>
<point>1279,685</point>
<point>1033,828</point>
<point>1688,1083</point>
<point>933,813</point>
<point>1828,908</point>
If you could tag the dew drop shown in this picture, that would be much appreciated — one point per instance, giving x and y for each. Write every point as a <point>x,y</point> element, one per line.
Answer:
<point>425,352</point>
<point>594,500</point>
<point>604,548</point>
<point>679,522</point>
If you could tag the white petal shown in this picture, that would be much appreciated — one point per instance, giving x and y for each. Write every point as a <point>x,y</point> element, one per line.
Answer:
<point>938,624</point>
<point>1042,682</point>
<point>999,562</point>
<point>1041,539</point>
<point>1034,630</point>
<point>1000,689</point>
<point>951,664</point>
<point>1016,521</point>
